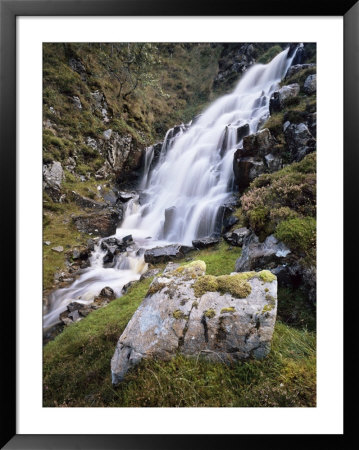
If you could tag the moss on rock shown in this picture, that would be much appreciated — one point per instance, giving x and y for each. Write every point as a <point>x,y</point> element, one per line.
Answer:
<point>266,276</point>
<point>229,309</point>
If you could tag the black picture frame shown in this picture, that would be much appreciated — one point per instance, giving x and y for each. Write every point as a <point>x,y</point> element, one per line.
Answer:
<point>9,10</point>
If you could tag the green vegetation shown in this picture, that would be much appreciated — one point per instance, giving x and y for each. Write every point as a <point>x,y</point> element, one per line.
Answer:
<point>270,54</point>
<point>77,371</point>
<point>284,203</point>
<point>299,234</point>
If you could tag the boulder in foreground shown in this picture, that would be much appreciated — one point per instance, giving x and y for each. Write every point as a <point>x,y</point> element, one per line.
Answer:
<point>225,318</point>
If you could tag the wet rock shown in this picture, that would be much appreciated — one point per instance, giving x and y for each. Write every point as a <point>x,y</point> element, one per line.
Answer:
<point>310,84</point>
<point>221,319</point>
<point>103,223</point>
<point>259,255</point>
<point>53,176</point>
<point>169,252</point>
<point>170,214</point>
<point>126,196</point>
<point>236,237</point>
<point>299,140</point>
<point>279,98</point>
<point>205,242</point>
<point>108,292</point>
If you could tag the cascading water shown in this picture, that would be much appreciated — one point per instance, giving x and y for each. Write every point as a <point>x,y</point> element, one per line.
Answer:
<point>183,192</point>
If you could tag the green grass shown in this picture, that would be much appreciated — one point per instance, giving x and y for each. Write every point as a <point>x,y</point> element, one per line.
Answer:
<point>77,369</point>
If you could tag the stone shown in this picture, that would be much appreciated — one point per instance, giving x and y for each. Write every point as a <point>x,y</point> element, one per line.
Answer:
<point>310,84</point>
<point>58,249</point>
<point>167,253</point>
<point>53,176</point>
<point>236,237</point>
<point>107,134</point>
<point>258,144</point>
<point>279,98</point>
<point>47,242</point>
<point>220,319</point>
<point>77,102</point>
<point>108,292</point>
<point>150,273</point>
<point>103,223</point>
<point>297,68</point>
<point>299,140</point>
<point>258,155</point>
<point>258,255</point>
<point>205,242</point>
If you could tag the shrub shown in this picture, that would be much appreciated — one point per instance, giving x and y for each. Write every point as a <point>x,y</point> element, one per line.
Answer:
<point>299,234</point>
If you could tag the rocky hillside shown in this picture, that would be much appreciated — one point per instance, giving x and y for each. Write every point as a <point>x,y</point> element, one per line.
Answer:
<point>103,105</point>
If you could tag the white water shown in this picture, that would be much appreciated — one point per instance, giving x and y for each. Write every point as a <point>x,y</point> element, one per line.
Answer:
<point>191,180</point>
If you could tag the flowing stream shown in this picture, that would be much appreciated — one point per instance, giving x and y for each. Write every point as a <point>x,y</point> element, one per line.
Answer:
<point>181,194</point>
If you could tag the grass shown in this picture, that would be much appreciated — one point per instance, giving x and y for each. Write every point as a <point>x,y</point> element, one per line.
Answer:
<point>77,363</point>
<point>77,369</point>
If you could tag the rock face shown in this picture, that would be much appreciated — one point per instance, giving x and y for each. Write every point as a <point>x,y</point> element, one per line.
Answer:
<point>102,223</point>
<point>255,254</point>
<point>237,236</point>
<point>258,155</point>
<point>167,253</point>
<point>297,68</point>
<point>53,175</point>
<point>300,141</point>
<point>279,98</point>
<point>224,318</point>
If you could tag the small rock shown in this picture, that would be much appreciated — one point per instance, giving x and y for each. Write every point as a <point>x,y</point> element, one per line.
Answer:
<point>58,249</point>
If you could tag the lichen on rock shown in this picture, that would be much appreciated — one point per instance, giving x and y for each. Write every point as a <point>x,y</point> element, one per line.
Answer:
<point>224,318</point>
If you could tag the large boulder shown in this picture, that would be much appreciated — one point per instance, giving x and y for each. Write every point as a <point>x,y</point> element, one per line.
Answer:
<point>167,253</point>
<point>222,319</point>
<point>280,97</point>
<point>53,176</point>
<point>102,223</point>
<point>299,140</point>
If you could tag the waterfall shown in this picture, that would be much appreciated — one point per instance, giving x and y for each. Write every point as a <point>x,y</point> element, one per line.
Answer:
<point>185,189</point>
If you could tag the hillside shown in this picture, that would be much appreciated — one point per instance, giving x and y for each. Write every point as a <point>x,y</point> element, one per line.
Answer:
<point>111,116</point>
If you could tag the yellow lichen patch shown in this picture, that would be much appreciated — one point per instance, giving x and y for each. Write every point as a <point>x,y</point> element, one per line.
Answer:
<point>207,283</point>
<point>210,313</point>
<point>155,287</point>
<point>195,304</point>
<point>178,314</point>
<point>266,276</point>
<point>235,285</point>
<point>229,309</point>
<point>271,303</point>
